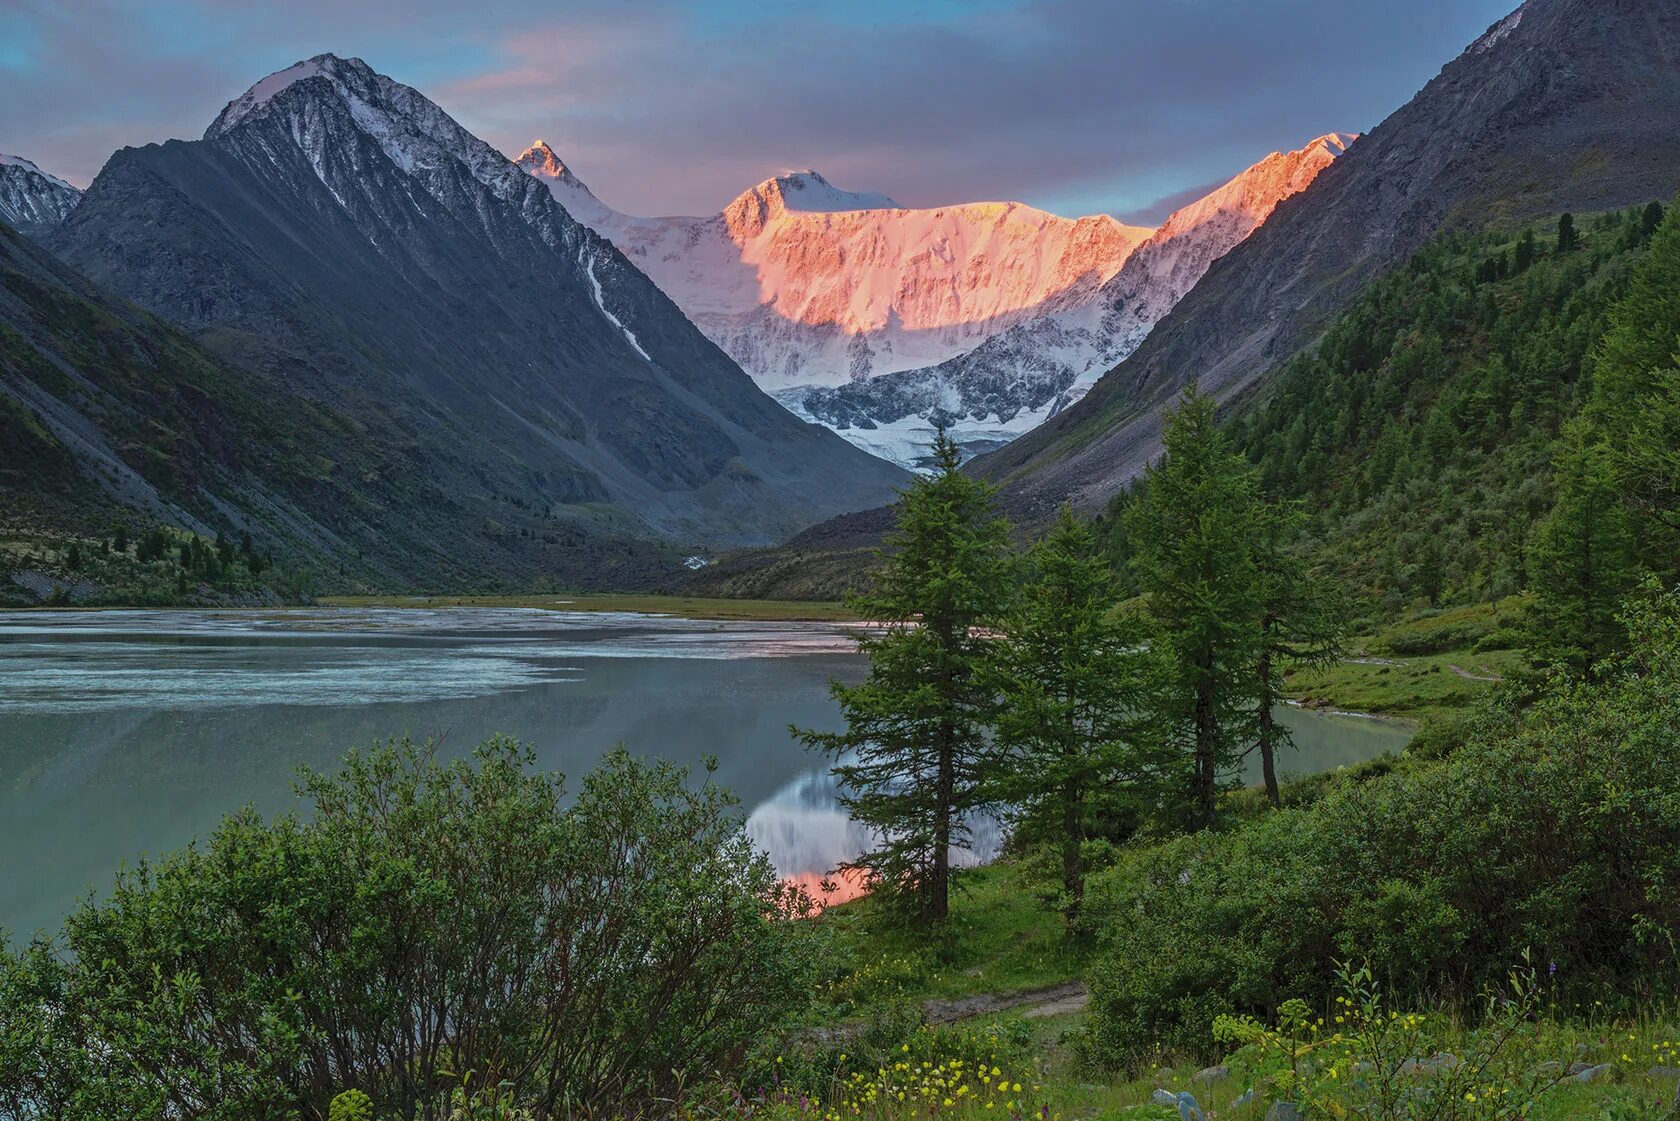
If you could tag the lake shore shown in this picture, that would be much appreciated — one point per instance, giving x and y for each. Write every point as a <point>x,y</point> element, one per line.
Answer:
<point>682,607</point>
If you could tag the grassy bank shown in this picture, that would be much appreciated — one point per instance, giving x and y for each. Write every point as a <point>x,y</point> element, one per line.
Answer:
<point>1428,664</point>
<point>688,607</point>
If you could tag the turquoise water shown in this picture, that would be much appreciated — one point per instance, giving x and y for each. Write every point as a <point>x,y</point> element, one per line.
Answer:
<point>124,733</point>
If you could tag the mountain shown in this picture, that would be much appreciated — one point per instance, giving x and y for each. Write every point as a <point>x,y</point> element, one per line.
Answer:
<point>32,201</point>
<point>1565,105</point>
<point>1016,379</point>
<point>806,284</point>
<point>342,237</point>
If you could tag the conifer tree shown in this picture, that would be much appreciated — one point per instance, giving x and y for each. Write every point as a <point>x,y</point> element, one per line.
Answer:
<point>1635,406</point>
<point>1567,239</point>
<point>1300,624</point>
<point>1582,559</point>
<point>911,762</point>
<point>1195,564</point>
<point>1078,742</point>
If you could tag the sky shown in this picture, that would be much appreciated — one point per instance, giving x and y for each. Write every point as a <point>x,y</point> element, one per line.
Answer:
<point>1127,107</point>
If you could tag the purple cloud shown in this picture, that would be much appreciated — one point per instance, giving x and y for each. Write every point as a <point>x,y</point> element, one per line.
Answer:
<point>674,107</point>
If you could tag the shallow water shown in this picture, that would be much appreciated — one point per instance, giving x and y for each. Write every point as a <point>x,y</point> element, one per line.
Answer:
<point>135,731</point>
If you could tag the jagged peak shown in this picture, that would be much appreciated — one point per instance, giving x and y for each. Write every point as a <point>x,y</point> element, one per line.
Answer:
<point>417,135</point>
<point>30,166</point>
<point>542,161</point>
<point>1256,190</point>
<point>329,66</point>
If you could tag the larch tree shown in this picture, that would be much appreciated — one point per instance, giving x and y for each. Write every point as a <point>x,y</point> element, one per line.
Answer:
<point>911,763</point>
<point>1077,685</point>
<point>1300,624</point>
<point>1195,565</point>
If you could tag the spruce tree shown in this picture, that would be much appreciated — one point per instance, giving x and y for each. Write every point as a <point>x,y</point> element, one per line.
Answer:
<point>1582,560</point>
<point>1079,748</point>
<point>1567,239</point>
<point>911,762</point>
<point>1300,624</point>
<point>1195,564</point>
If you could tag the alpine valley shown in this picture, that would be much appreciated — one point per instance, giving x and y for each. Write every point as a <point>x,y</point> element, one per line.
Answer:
<point>509,397</point>
<point>883,322</point>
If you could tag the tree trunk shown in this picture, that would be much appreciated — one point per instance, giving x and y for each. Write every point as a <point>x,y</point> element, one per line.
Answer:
<point>1268,759</point>
<point>1073,850</point>
<point>939,881</point>
<point>1206,745</point>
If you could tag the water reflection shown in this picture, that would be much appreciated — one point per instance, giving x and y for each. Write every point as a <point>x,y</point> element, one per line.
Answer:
<point>124,733</point>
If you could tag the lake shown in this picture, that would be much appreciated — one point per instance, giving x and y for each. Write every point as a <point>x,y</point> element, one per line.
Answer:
<point>129,732</point>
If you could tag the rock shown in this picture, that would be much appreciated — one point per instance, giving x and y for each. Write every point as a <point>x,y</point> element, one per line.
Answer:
<point>1210,1075</point>
<point>1671,1074</point>
<point>1592,1074</point>
<point>1434,1064</point>
<point>1284,1111</point>
<point>1164,1097</point>
<point>1551,1069</point>
<point>1577,1067</point>
<point>1246,1097</point>
<point>1189,1109</point>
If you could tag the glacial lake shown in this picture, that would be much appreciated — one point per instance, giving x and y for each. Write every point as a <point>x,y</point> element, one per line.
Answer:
<point>130,732</point>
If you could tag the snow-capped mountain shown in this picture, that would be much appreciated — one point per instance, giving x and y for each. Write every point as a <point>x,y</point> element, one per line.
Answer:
<point>1018,378</point>
<point>31,201</point>
<point>338,232</point>
<point>806,284</point>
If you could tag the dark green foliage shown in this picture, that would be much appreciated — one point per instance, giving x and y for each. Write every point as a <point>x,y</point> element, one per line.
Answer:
<point>1582,559</point>
<point>1419,432</point>
<point>428,924</point>
<point>1081,754</point>
<point>911,762</point>
<point>1300,624</point>
<point>1193,531</point>
<point>1636,399</point>
<point>1436,874</point>
<point>1567,240</point>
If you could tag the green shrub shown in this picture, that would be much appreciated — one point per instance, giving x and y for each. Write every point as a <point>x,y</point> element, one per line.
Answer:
<point>1559,831</point>
<point>427,925</point>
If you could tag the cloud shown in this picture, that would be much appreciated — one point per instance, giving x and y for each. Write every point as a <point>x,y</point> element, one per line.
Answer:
<point>665,106</point>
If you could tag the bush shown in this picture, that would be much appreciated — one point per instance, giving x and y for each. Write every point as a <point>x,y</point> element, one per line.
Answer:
<point>429,925</point>
<point>1559,831</point>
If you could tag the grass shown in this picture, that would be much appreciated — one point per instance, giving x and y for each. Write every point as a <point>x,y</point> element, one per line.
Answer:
<point>1428,664</point>
<point>1002,936</point>
<point>689,607</point>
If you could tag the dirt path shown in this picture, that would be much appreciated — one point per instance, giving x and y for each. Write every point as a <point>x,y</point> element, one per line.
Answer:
<point>1464,673</point>
<point>1050,1000</point>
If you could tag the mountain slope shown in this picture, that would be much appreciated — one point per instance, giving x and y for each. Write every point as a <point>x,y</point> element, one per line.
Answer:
<point>805,284</point>
<point>1014,380</point>
<point>1565,105</point>
<point>339,234</point>
<point>31,201</point>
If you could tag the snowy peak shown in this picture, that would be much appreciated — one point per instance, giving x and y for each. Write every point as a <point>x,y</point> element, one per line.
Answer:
<point>259,95</point>
<point>31,200</point>
<point>795,192</point>
<point>540,160</point>
<point>417,136</point>
<point>1250,197</point>
<point>29,166</point>
<point>807,191</point>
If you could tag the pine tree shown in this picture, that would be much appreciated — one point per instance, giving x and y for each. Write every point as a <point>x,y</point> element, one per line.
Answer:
<point>1525,252</point>
<point>1195,564</point>
<point>1078,745</point>
<point>912,760</point>
<point>1300,624</point>
<point>1582,559</point>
